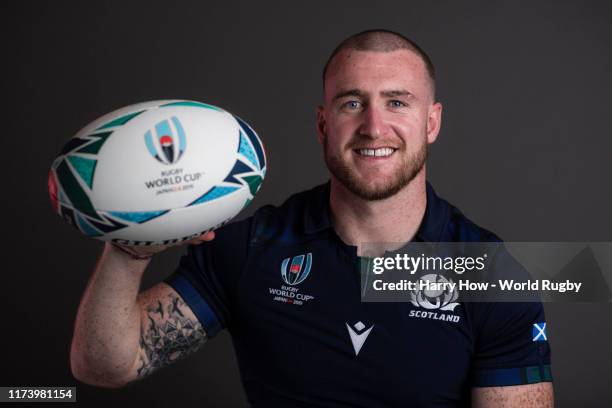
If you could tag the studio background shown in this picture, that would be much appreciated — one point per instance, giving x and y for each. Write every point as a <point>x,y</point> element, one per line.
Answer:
<point>524,150</point>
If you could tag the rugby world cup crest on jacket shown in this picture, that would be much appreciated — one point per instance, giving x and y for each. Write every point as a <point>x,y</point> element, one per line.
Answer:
<point>166,142</point>
<point>294,270</point>
<point>297,272</point>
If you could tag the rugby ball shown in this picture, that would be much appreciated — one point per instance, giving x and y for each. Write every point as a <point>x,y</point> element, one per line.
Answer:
<point>158,172</point>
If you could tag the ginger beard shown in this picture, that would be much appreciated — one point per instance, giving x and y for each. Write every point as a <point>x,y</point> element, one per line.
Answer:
<point>340,168</point>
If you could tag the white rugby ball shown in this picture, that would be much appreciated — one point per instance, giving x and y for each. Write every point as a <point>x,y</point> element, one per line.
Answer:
<point>158,172</point>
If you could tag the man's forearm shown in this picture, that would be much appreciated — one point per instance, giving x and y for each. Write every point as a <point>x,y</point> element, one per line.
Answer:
<point>107,327</point>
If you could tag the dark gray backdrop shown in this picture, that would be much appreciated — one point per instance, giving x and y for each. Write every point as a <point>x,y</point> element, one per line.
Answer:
<point>524,149</point>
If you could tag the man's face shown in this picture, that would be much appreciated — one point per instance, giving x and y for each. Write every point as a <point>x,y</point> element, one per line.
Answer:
<point>378,119</point>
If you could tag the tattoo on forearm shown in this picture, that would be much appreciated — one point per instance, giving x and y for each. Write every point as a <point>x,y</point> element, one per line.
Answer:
<point>168,336</point>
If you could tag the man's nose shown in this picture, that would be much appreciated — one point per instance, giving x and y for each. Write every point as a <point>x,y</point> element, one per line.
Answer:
<point>373,123</point>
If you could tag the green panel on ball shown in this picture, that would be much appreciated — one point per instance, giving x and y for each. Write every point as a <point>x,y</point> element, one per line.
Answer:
<point>94,148</point>
<point>86,227</point>
<point>84,167</point>
<point>254,182</point>
<point>78,197</point>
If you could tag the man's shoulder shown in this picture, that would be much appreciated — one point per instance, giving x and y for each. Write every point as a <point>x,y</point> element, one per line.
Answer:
<point>463,229</point>
<point>458,227</point>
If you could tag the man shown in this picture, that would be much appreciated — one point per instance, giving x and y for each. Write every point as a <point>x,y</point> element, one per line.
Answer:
<point>285,282</point>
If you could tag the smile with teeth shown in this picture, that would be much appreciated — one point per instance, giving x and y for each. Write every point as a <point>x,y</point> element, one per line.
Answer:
<point>380,152</point>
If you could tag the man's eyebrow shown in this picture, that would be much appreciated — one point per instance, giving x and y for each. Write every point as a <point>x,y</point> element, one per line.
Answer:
<point>387,93</point>
<point>350,92</point>
<point>397,92</point>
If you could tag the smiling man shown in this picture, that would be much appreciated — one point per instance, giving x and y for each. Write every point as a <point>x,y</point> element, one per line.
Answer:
<point>285,282</point>
<point>380,113</point>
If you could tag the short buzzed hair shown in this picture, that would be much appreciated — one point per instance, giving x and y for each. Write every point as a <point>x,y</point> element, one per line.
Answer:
<point>383,41</point>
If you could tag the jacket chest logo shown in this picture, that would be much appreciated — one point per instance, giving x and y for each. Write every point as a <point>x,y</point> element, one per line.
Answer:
<point>297,272</point>
<point>294,270</point>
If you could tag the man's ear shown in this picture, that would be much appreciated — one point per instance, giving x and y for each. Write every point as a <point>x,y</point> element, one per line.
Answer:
<point>434,121</point>
<point>321,124</point>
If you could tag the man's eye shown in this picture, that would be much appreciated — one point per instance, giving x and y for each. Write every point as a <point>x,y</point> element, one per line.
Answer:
<point>352,105</point>
<point>397,104</point>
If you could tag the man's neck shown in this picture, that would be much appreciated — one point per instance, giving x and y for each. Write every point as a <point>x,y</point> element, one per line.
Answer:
<point>392,220</point>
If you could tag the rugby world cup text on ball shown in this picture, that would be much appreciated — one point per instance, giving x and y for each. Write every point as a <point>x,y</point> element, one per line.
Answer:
<point>173,180</point>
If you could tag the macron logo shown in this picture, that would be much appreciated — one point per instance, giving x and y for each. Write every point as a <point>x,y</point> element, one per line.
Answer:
<point>358,335</point>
